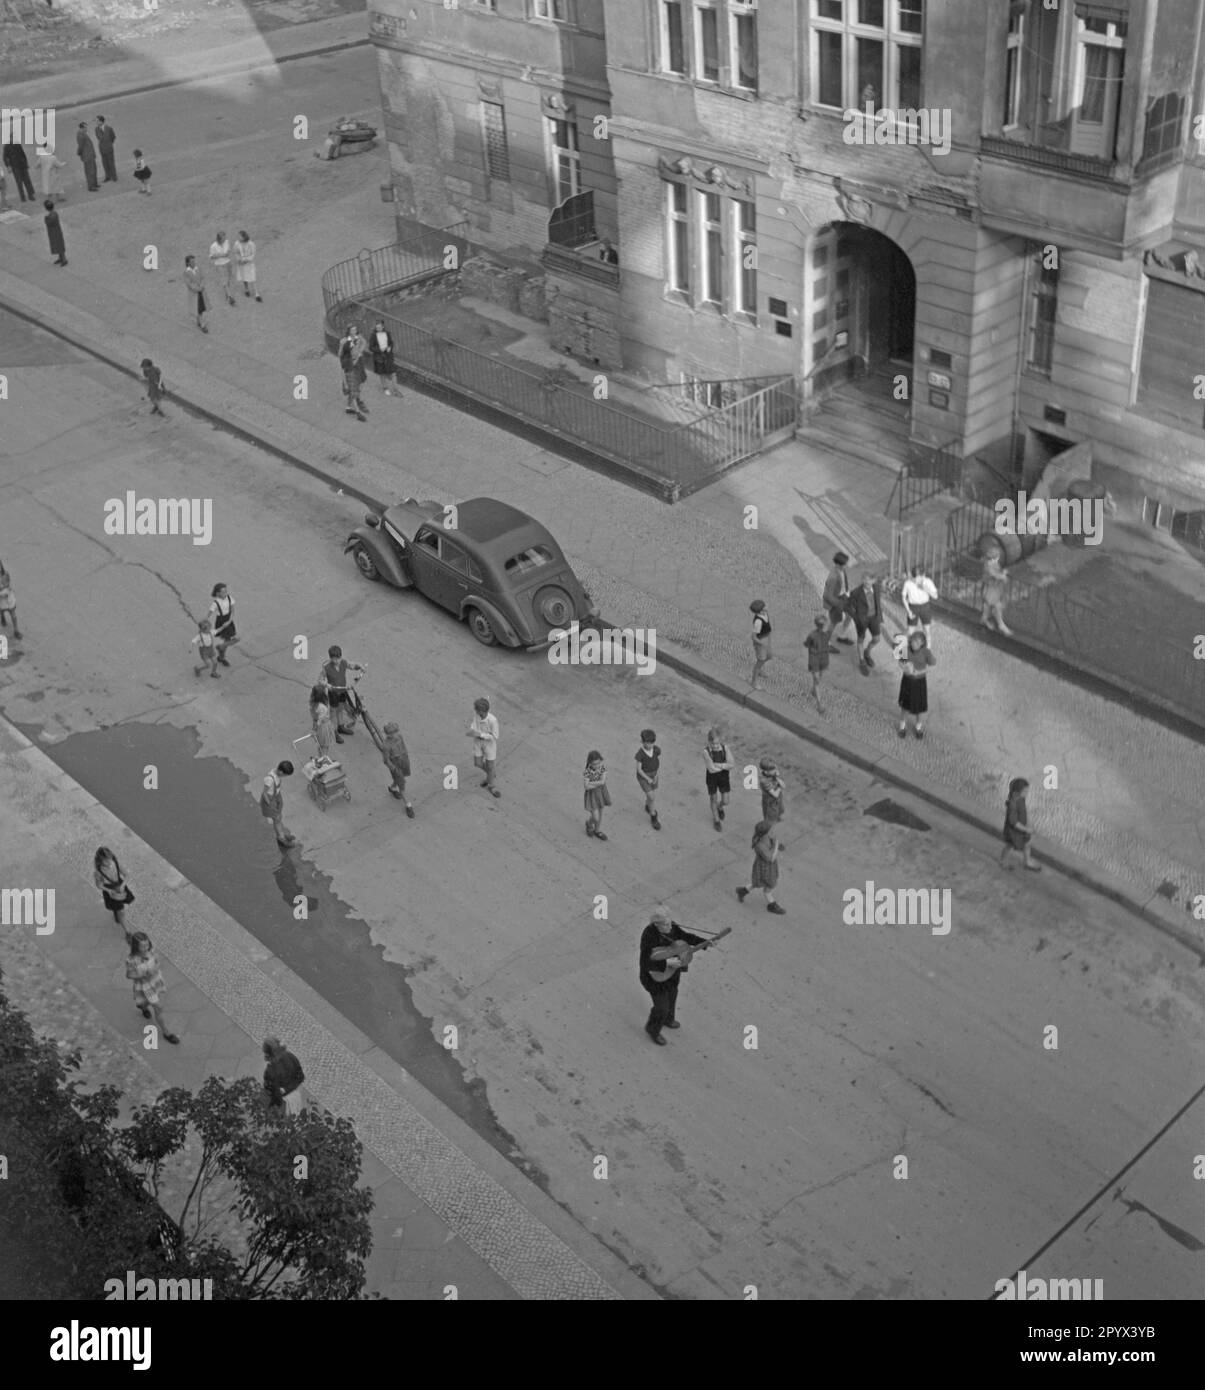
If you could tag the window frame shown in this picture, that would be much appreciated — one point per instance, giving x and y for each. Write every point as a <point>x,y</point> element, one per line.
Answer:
<point>742,238</point>
<point>851,30</point>
<point>488,151</point>
<point>710,231</point>
<point>677,260</point>
<point>727,43</point>
<point>1014,51</point>
<point>550,6</point>
<point>570,154</point>
<point>704,266</point>
<point>1042,324</point>
<point>664,47</point>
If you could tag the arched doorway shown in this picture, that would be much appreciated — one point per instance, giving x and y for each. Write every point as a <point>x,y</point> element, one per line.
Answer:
<point>860,307</point>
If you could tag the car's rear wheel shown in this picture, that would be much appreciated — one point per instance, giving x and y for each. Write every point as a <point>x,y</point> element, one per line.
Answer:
<point>481,627</point>
<point>365,563</point>
<point>554,606</point>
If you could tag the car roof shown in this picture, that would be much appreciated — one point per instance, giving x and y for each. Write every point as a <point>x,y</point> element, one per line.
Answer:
<point>495,528</point>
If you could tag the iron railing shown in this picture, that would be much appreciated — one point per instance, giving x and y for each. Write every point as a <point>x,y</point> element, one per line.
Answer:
<point>929,471</point>
<point>1086,165</point>
<point>572,223</point>
<point>390,267</point>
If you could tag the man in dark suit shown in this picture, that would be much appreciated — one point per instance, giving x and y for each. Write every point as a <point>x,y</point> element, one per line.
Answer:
<point>106,138</point>
<point>54,233</point>
<point>657,943</point>
<point>87,153</point>
<point>18,162</point>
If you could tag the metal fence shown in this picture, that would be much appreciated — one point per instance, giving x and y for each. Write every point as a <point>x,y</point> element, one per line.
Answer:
<point>930,470</point>
<point>390,267</point>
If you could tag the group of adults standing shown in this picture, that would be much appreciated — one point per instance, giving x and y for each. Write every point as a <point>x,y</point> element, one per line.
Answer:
<point>102,139</point>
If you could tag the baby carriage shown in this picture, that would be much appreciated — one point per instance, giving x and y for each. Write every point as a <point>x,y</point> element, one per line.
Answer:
<point>325,777</point>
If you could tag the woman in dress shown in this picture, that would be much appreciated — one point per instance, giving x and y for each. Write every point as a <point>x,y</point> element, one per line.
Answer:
<point>994,583</point>
<point>914,684</point>
<point>1017,833</point>
<point>765,847</point>
<point>719,785</point>
<point>381,347</point>
<point>114,886</point>
<point>143,969</point>
<point>320,719</point>
<point>244,255</point>
<point>195,283</point>
<point>48,165</point>
<point>597,796</point>
<point>221,619</point>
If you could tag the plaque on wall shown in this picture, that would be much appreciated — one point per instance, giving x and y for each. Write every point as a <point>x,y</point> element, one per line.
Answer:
<point>940,399</point>
<point>939,379</point>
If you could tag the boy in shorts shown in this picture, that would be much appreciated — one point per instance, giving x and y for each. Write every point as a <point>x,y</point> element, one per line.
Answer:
<point>817,644</point>
<point>648,773</point>
<point>207,652</point>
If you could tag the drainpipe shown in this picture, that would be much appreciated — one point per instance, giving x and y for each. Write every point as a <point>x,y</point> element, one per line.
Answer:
<point>1026,289</point>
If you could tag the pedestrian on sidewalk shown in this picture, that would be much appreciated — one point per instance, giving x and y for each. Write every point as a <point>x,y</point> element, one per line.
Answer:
<point>352,347</point>
<point>914,683</point>
<point>221,258</point>
<point>154,384</point>
<point>334,674</point>
<point>719,764</point>
<point>54,233</point>
<point>194,282</point>
<point>485,732</point>
<point>381,347</point>
<point>113,885</point>
<point>8,604</point>
<point>106,138</point>
<point>762,645</point>
<point>866,605</point>
<point>221,617</point>
<point>655,943</point>
<point>836,598</point>
<point>397,760</point>
<point>143,969</point>
<point>765,846</point>
<point>244,255</point>
<point>48,164</point>
<point>283,1079</point>
<point>773,792</point>
<point>86,151</point>
<point>207,650</point>
<point>594,781</point>
<point>18,163</point>
<point>142,172</point>
<point>817,644</point>
<point>919,595</point>
<point>321,724</point>
<point>995,581</point>
<point>1017,834</point>
<point>272,803</point>
<point>648,773</point>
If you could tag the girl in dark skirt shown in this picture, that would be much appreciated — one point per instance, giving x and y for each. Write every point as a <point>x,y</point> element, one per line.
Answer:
<point>914,685</point>
<point>719,765</point>
<point>115,890</point>
<point>221,618</point>
<point>142,172</point>
<point>765,847</point>
<point>381,347</point>
<point>1017,833</point>
<point>594,780</point>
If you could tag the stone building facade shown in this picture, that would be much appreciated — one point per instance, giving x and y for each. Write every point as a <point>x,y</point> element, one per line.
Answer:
<point>994,204</point>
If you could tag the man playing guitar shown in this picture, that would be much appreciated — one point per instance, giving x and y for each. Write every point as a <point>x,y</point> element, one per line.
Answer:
<point>665,954</point>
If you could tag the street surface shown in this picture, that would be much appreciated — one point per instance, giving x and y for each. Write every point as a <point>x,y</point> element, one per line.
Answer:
<point>727,1164</point>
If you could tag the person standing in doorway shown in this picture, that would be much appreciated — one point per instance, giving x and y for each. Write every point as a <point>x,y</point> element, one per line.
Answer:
<point>54,233</point>
<point>1017,834</point>
<point>8,604</point>
<point>836,599</point>
<point>656,949</point>
<point>244,255</point>
<point>154,384</point>
<point>194,282</point>
<point>221,615</point>
<point>221,258</point>
<point>18,163</point>
<point>648,773</point>
<point>272,803</point>
<point>143,969</point>
<point>334,675</point>
<point>397,760</point>
<point>381,347</point>
<point>719,765</point>
<point>914,683</point>
<point>597,797</point>
<point>763,650</point>
<point>995,581</point>
<point>485,732</point>
<point>86,151</point>
<point>816,643</point>
<point>866,605</point>
<point>919,595</point>
<point>766,846</point>
<point>48,167</point>
<point>106,138</point>
<point>113,884</point>
<point>142,172</point>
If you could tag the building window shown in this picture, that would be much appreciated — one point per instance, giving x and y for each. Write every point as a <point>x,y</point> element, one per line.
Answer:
<point>493,128</point>
<point>712,246</point>
<point>1012,67</point>
<point>565,160</point>
<point>744,291</point>
<point>485,4</point>
<point>867,51</point>
<point>1044,312</point>
<point>679,239</point>
<point>552,9</point>
<point>1164,131</point>
<point>711,41</point>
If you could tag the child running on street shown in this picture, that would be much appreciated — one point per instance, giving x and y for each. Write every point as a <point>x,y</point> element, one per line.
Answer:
<point>154,384</point>
<point>648,773</point>
<point>719,764</point>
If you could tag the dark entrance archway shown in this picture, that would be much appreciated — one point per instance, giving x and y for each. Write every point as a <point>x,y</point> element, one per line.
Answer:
<point>889,285</point>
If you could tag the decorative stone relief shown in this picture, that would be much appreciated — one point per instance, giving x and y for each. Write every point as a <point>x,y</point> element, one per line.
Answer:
<point>556,107</point>
<point>714,175</point>
<point>489,87</point>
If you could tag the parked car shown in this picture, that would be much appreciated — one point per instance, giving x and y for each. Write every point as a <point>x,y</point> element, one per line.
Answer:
<point>495,567</point>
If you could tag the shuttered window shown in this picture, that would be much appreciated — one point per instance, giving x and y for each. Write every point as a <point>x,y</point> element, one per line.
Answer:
<point>1173,348</point>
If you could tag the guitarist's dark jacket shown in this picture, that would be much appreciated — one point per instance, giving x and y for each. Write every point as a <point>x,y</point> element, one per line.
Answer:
<point>650,939</point>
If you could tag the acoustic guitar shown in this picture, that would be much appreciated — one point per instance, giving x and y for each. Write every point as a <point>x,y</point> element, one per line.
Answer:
<point>677,955</point>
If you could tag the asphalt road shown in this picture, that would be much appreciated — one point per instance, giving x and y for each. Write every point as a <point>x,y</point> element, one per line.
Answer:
<point>728,1164</point>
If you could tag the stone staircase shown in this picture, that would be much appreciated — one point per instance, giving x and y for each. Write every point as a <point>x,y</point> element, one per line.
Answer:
<point>862,421</point>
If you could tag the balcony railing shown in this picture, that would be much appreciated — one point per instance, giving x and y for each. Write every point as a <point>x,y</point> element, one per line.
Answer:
<point>1086,165</point>
<point>587,267</point>
<point>390,267</point>
<point>572,223</point>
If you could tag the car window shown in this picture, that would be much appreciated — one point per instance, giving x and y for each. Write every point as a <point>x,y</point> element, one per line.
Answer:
<point>454,557</point>
<point>475,572</point>
<point>428,539</point>
<point>530,559</point>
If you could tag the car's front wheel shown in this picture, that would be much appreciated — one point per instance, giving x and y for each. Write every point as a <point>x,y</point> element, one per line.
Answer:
<point>481,627</point>
<point>365,563</point>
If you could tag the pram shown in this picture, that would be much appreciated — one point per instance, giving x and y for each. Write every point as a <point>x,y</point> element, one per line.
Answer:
<point>326,781</point>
